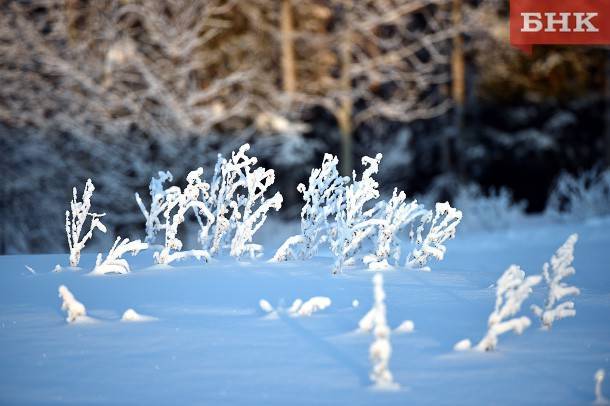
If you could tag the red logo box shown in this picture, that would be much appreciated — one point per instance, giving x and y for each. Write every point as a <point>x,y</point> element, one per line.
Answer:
<point>562,22</point>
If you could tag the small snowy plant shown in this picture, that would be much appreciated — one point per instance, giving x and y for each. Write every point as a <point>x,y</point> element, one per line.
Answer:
<point>306,309</point>
<point>561,267</point>
<point>599,397</point>
<point>380,350</point>
<point>73,307</point>
<point>113,263</point>
<point>355,222</point>
<point>238,204</point>
<point>394,216</point>
<point>178,204</point>
<point>75,220</point>
<point>442,227</point>
<point>158,204</point>
<point>512,289</point>
<point>321,195</point>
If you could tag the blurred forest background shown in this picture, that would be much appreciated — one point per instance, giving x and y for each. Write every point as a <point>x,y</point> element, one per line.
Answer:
<point>117,90</point>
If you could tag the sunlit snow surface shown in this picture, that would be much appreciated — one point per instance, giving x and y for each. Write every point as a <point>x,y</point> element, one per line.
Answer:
<point>211,343</point>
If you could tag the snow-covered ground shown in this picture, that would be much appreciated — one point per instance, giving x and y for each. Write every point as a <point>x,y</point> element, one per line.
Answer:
<point>210,343</point>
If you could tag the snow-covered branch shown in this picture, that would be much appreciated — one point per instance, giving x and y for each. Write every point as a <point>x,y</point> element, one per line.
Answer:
<point>442,227</point>
<point>178,204</point>
<point>321,198</point>
<point>73,307</point>
<point>561,267</point>
<point>158,204</point>
<point>511,291</point>
<point>75,219</point>
<point>113,263</point>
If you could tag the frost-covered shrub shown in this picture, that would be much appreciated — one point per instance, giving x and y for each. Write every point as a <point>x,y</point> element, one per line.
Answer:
<point>354,222</point>
<point>359,216</point>
<point>158,204</point>
<point>73,307</point>
<point>75,220</point>
<point>561,267</point>
<point>306,309</point>
<point>380,350</point>
<point>113,263</point>
<point>321,196</point>
<point>582,197</point>
<point>495,211</point>
<point>229,211</point>
<point>178,203</point>
<point>393,216</point>
<point>512,289</point>
<point>238,204</point>
<point>432,233</point>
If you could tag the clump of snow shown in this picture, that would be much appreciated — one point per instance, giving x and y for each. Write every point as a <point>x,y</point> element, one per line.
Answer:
<point>380,350</point>
<point>309,307</point>
<point>512,289</point>
<point>73,307</point>
<point>561,267</point>
<point>599,397</point>
<point>113,263</point>
<point>57,268</point>
<point>75,219</point>
<point>462,345</point>
<point>406,326</point>
<point>131,316</point>
<point>355,303</point>
<point>158,203</point>
<point>265,306</point>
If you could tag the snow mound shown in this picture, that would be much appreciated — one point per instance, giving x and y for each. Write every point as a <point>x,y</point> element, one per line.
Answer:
<point>131,316</point>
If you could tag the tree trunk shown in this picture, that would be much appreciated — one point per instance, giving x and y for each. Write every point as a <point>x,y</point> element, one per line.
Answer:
<point>289,80</point>
<point>457,84</point>
<point>344,113</point>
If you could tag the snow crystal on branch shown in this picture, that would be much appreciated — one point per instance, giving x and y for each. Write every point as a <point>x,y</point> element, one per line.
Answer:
<point>380,350</point>
<point>113,263</point>
<point>73,307</point>
<point>442,227</point>
<point>561,267</point>
<point>511,291</point>
<point>353,223</point>
<point>75,219</point>
<point>178,203</point>
<point>158,204</point>
<point>323,191</point>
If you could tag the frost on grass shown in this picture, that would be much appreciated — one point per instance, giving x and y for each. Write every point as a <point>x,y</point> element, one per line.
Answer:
<point>306,309</point>
<point>560,267</point>
<point>75,309</point>
<point>113,263</point>
<point>75,220</point>
<point>158,203</point>
<point>359,216</point>
<point>512,289</point>
<point>321,197</point>
<point>599,397</point>
<point>380,350</point>
<point>131,316</point>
